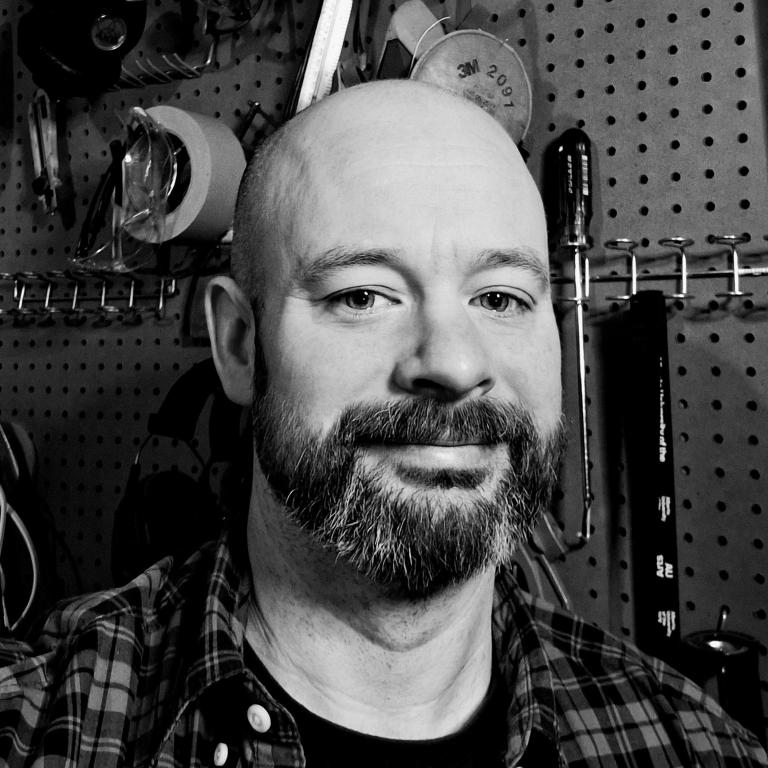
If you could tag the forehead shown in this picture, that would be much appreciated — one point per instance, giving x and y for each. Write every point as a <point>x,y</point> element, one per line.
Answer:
<point>424,184</point>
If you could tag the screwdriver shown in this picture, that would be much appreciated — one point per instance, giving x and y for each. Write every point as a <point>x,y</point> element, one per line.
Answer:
<point>574,212</point>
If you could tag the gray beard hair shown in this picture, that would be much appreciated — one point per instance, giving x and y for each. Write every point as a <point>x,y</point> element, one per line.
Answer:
<point>411,541</point>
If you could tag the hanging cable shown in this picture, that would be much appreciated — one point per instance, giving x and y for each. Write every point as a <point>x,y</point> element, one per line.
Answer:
<point>8,512</point>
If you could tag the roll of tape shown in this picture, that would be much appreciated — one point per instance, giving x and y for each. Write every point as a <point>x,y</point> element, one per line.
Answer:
<point>216,163</point>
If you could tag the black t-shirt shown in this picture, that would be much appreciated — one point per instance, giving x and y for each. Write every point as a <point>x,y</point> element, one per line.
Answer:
<point>479,744</point>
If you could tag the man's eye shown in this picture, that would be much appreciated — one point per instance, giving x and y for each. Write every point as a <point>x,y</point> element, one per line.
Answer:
<point>495,301</point>
<point>502,303</point>
<point>360,299</point>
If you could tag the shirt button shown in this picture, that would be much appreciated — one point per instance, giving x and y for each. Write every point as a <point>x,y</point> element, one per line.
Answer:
<point>259,718</point>
<point>220,754</point>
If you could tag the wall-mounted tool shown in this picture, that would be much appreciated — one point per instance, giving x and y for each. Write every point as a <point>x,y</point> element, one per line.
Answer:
<point>650,460</point>
<point>42,137</point>
<point>76,49</point>
<point>573,160</point>
<point>316,74</point>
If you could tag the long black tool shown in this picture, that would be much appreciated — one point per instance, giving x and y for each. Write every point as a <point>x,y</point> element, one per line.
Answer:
<point>574,173</point>
<point>651,474</point>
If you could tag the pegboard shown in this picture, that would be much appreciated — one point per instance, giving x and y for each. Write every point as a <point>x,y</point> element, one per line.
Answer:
<point>672,95</point>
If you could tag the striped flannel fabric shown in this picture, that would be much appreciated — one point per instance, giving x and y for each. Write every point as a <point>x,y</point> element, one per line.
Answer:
<point>152,674</point>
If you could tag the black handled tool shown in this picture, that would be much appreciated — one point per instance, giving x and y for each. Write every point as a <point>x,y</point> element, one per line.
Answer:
<point>652,477</point>
<point>574,175</point>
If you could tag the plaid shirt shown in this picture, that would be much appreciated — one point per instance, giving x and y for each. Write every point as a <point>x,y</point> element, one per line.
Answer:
<point>152,674</point>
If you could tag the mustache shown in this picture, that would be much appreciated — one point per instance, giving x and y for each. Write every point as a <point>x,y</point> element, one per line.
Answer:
<point>430,421</point>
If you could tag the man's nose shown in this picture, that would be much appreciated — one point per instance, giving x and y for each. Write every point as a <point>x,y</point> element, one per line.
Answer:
<point>448,358</point>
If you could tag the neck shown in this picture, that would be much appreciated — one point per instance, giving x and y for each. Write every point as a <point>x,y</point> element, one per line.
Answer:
<point>351,652</point>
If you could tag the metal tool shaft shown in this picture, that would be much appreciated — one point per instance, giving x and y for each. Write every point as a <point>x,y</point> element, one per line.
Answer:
<point>574,170</point>
<point>586,485</point>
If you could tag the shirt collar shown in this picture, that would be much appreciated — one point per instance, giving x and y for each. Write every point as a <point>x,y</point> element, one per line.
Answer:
<point>532,720</point>
<point>217,653</point>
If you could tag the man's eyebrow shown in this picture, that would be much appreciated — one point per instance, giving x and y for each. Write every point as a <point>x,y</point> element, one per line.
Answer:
<point>325,264</point>
<point>523,258</point>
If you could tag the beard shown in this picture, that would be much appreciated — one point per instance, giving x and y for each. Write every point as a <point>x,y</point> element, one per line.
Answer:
<point>438,528</point>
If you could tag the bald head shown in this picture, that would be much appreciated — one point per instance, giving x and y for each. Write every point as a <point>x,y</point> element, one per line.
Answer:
<point>352,133</point>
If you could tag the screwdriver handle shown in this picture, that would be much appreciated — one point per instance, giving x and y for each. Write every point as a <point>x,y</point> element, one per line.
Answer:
<point>574,178</point>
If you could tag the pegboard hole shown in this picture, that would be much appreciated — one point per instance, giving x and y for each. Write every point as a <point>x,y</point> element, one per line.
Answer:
<point>753,440</point>
<point>719,472</point>
<point>718,438</point>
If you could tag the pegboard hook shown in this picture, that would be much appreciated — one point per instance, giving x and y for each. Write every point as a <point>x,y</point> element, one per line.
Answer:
<point>680,243</point>
<point>628,247</point>
<point>732,241</point>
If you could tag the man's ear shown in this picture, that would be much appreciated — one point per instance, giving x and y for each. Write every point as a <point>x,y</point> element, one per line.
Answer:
<point>232,329</point>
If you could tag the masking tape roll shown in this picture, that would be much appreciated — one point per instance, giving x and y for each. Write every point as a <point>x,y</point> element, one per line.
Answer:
<point>216,164</point>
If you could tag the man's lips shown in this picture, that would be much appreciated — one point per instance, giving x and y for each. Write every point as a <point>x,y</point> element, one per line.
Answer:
<point>437,455</point>
<point>436,443</point>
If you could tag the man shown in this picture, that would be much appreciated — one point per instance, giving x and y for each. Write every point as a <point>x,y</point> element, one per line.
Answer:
<point>390,325</point>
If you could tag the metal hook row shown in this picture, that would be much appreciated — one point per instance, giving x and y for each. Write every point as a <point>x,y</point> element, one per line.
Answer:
<point>43,309</point>
<point>582,280</point>
<point>628,247</point>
